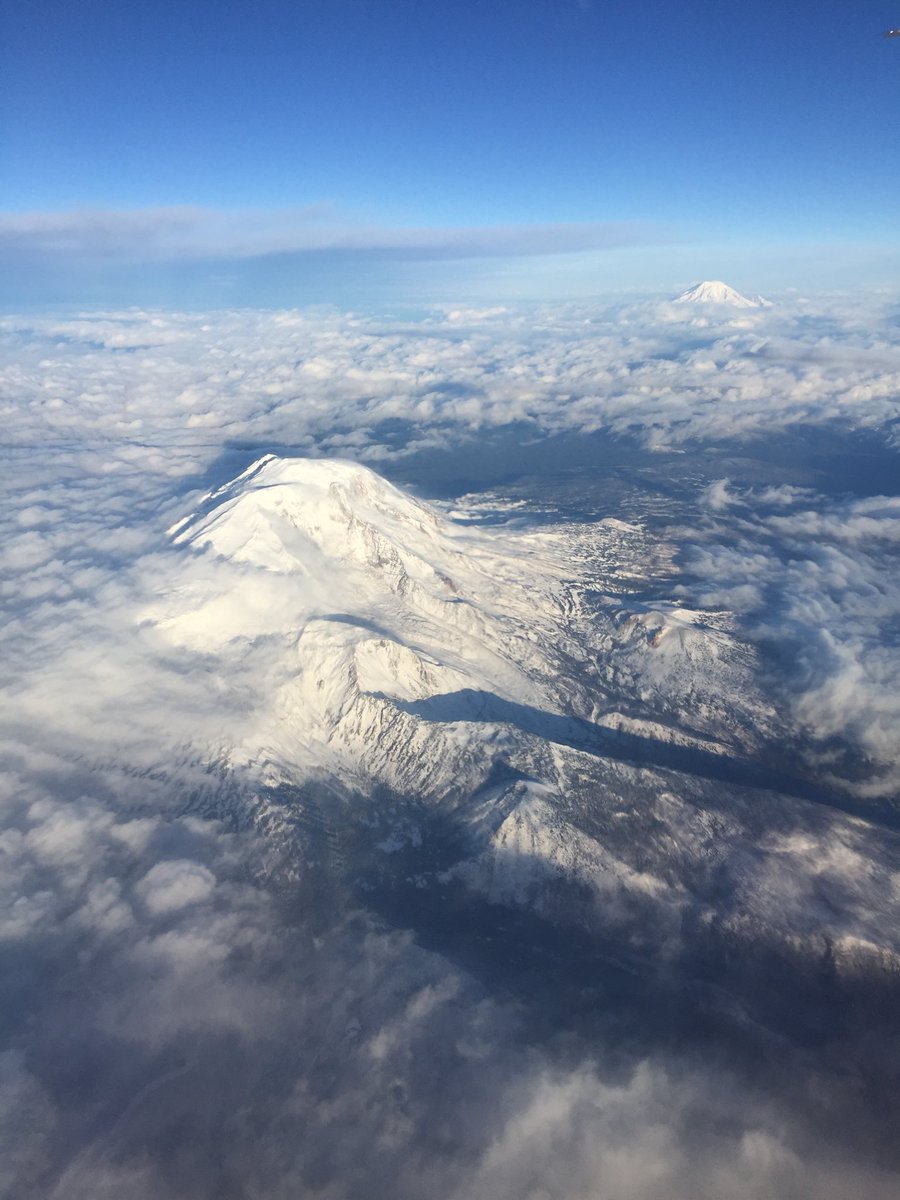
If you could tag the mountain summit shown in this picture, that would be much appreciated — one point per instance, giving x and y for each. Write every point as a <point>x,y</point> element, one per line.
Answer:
<point>713,291</point>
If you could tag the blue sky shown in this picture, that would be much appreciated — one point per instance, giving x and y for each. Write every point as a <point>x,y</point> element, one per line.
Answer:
<point>353,138</point>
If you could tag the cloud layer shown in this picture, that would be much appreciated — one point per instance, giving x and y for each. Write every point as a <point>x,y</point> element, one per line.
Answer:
<point>182,1018</point>
<point>816,579</point>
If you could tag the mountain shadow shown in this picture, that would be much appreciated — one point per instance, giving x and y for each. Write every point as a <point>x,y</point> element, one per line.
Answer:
<point>473,705</point>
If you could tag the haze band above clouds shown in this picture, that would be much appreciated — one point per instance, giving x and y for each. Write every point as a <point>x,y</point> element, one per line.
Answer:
<point>185,233</point>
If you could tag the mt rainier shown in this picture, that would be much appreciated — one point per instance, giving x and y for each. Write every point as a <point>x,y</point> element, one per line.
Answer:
<point>715,292</point>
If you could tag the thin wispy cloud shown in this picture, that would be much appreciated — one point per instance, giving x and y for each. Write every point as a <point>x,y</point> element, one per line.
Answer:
<point>187,233</point>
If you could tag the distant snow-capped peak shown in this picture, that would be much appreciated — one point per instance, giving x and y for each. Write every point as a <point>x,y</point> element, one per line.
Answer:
<point>714,291</point>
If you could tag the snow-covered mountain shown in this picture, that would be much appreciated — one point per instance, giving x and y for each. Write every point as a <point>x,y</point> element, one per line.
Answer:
<point>713,291</point>
<point>499,710</point>
<point>355,600</point>
<point>358,602</point>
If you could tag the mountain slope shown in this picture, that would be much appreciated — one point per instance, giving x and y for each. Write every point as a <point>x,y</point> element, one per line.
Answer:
<point>356,596</point>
